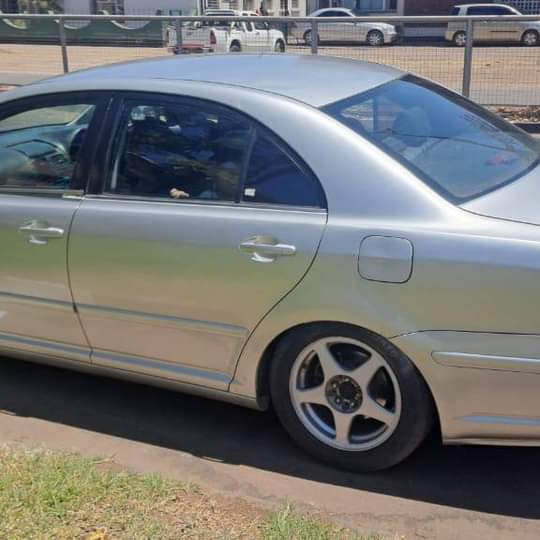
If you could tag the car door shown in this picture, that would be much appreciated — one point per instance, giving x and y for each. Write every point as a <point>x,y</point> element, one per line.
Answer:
<point>261,31</point>
<point>45,145</point>
<point>502,31</point>
<point>199,225</point>
<point>481,28</point>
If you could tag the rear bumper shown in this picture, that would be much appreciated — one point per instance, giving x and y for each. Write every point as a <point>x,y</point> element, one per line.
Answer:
<point>486,387</point>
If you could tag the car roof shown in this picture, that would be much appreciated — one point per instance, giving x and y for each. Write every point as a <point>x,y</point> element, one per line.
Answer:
<point>332,9</point>
<point>312,79</point>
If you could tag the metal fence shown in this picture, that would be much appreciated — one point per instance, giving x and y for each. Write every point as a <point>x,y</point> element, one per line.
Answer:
<point>493,60</point>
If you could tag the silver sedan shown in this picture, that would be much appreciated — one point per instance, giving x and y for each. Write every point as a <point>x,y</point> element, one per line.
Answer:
<point>345,31</point>
<point>363,256</point>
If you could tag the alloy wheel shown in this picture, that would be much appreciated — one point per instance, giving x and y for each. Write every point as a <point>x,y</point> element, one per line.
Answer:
<point>345,394</point>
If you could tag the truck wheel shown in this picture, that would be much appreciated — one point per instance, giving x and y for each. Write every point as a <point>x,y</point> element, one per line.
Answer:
<point>460,39</point>
<point>279,46</point>
<point>235,47</point>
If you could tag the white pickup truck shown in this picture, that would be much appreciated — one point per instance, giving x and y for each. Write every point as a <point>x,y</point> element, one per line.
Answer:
<point>227,36</point>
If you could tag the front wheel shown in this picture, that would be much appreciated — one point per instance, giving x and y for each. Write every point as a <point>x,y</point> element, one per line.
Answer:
<point>460,39</point>
<point>530,38</point>
<point>349,397</point>
<point>279,47</point>
<point>308,38</point>
<point>375,38</point>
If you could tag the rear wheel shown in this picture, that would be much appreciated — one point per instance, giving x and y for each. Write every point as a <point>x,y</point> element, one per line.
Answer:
<point>375,38</point>
<point>349,397</point>
<point>530,38</point>
<point>460,39</point>
<point>235,47</point>
<point>308,38</point>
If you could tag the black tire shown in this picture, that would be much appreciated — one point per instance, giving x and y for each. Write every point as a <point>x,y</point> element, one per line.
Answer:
<point>530,38</point>
<point>417,411</point>
<point>375,38</point>
<point>279,47</point>
<point>459,39</point>
<point>307,38</point>
<point>235,47</point>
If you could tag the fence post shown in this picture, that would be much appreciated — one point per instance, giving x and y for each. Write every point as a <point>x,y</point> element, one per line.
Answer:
<point>179,38</point>
<point>63,45</point>
<point>314,37</point>
<point>467,61</point>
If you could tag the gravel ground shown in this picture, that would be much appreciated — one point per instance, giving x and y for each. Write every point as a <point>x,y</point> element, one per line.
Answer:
<point>492,79</point>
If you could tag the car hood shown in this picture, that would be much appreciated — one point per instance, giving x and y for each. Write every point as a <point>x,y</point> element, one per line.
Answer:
<point>518,201</point>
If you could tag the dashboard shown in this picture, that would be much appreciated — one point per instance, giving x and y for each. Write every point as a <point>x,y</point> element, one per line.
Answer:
<point>40,157</point>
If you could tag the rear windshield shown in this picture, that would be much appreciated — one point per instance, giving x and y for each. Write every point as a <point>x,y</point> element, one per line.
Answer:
<point>460,149</point>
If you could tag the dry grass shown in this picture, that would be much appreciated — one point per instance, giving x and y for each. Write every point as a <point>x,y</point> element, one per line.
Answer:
<point>57,495</point>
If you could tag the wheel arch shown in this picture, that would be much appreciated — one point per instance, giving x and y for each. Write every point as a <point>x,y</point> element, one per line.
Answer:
<point>527,30</point>
<point>265,362</point>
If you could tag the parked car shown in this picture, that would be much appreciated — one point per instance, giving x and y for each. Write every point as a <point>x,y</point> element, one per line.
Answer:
<point>372,33</point>
<point>525,32</point>
<point>226,36</point>
<point>362,256</point>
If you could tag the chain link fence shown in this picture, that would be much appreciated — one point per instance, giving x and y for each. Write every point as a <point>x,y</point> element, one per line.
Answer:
<point>494,60</point>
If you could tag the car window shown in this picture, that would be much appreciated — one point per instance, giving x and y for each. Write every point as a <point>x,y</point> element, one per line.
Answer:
<point>180,151</point>
<point>502,10</point>
<point>39,147</point>
<point>457,147</point>
<point>455,11</point>
<point>482,10</point>
<point>249,26</point>
<point>273,177</point>
<point>261,26</point>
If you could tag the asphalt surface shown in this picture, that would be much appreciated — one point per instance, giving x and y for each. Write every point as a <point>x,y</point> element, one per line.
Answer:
<point>440,492</point>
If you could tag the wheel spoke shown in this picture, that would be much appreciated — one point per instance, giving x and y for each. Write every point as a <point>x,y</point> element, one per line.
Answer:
<point>363,374</point>
<point>312,395</point>
<point>371,409</point>
<point>328,363</point>
<point>342,423</point>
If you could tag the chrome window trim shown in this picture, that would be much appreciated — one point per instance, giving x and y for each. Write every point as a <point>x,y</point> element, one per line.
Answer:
<point>203,202</point>
<point>43,192</point>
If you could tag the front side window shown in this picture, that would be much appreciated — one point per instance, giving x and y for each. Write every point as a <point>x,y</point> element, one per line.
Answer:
<point>180,151</point>
<point>458,148</point>
<point>39,146</point>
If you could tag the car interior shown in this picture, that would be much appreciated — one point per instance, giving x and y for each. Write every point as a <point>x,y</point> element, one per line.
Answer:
<point>39,148</point>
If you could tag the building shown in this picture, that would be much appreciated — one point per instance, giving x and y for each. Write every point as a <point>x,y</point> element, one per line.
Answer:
<point>294,8</point>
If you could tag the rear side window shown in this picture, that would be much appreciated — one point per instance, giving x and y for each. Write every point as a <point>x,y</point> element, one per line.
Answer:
<point>273,177</point>
<point>180,151</point>
<point>455,11</point>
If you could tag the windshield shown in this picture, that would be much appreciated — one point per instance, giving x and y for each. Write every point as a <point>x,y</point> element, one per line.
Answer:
<point>460,149</point>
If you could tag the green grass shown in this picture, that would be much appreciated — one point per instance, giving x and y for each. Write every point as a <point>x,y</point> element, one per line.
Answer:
<point>51,495</point>
<point>290,524</point>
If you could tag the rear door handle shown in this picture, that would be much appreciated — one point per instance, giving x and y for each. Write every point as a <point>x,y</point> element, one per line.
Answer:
<point>266,249</point>
<point>39,232</point>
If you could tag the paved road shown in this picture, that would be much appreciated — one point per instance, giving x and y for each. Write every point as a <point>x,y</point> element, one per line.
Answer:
<point>445,493</point>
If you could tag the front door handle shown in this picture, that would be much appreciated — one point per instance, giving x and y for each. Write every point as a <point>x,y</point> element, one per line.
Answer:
<point>39,232</point>
<point>266,248</point>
